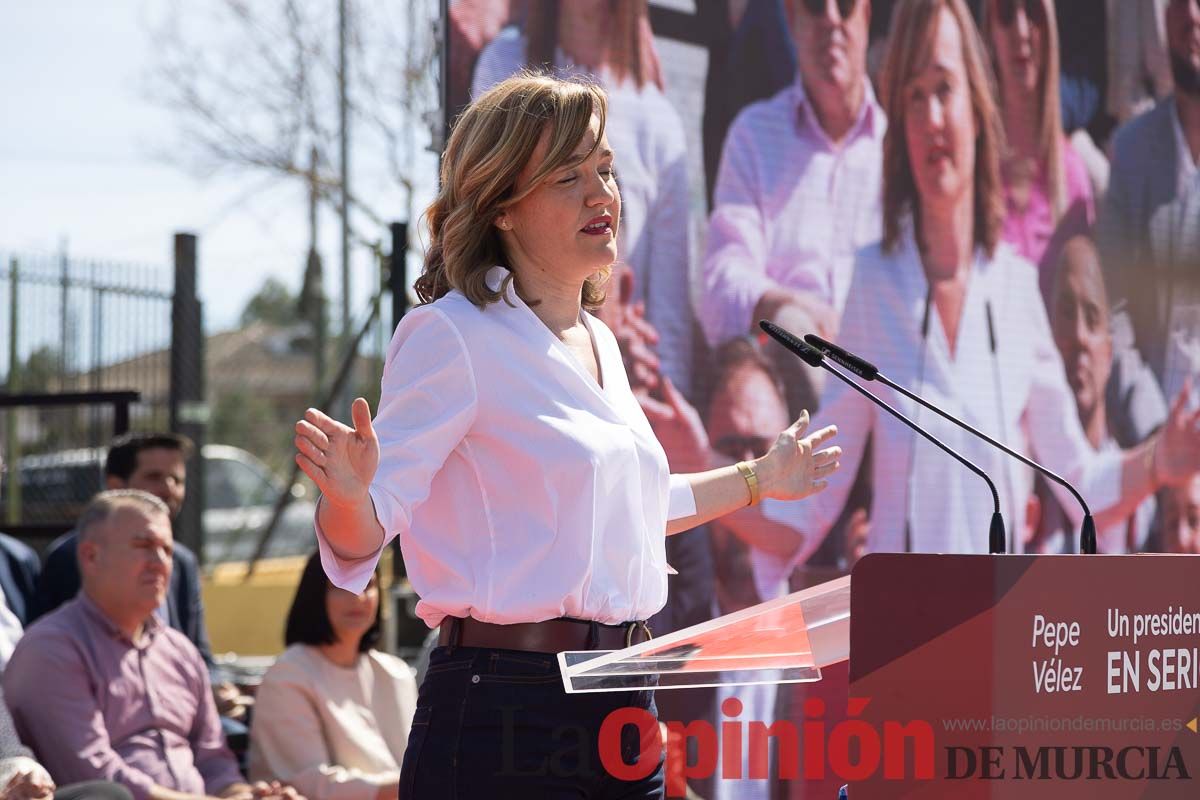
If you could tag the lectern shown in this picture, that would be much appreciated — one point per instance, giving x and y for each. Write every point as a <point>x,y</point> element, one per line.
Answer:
<point>971,676</point>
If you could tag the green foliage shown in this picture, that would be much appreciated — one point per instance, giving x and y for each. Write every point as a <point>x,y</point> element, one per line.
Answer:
<point>273,303</point>
<point>250,421</point>
<point>37,372</point>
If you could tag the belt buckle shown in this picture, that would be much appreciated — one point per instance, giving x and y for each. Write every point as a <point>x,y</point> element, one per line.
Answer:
<point>633,626</point>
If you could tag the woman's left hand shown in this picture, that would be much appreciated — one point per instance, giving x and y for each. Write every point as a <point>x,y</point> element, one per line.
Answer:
<point>796,467</point>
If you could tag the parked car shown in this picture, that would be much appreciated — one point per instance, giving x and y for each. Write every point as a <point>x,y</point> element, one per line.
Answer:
<point>240,496</point>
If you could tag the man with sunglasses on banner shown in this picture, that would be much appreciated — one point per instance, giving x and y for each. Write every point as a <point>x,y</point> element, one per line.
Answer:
<point>798,190</point>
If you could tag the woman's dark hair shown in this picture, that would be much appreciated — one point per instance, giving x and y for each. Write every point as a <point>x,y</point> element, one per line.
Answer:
<point>308,620</point>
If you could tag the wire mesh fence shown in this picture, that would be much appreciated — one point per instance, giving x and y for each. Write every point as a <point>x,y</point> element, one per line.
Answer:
<point>75,325</point>
<point>81,328</point>
<point>75,328</point>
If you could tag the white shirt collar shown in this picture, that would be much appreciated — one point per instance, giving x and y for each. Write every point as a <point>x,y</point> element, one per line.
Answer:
<point>870,113</point>
<point>495,277</point>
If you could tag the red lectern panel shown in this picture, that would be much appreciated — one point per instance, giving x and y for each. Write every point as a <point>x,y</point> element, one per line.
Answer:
<point>1024,677</point>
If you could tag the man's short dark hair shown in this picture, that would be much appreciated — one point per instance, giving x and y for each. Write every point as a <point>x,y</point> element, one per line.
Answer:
<point>308,619</point>
<point>123,453</point>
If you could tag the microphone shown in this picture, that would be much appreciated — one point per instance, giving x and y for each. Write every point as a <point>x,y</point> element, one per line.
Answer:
<point>814,358</point>
<point>868,371</point>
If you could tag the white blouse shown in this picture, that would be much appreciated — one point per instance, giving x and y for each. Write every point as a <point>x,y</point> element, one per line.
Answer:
<point>1018,394</point>
<point>521,490</point>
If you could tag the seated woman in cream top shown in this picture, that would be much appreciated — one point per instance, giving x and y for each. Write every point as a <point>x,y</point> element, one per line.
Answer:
<point>333,713</point>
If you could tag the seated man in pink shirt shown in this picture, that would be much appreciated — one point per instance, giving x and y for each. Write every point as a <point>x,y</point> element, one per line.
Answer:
<point>798,189</point>
<point>101,689</point>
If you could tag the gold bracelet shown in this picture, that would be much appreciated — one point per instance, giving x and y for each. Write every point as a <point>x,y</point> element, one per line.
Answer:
<point>751,477</point>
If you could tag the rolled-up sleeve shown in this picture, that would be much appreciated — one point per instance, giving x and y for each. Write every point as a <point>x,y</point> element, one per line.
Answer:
<point>49,691</point>
<point>681,501</point>
<point>734,272</point>
<point>428,401</point>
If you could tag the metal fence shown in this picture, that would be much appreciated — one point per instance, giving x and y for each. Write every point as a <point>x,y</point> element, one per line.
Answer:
<point>86,328</point>
<point>74,325</point>
<point>76,330</point>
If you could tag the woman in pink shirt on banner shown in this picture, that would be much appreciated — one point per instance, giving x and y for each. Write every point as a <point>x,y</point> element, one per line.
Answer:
<point>510,457</point>
<point>1047,193</point>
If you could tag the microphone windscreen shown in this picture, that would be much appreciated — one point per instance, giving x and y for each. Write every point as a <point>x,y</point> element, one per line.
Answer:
<point>810,355</point>
<point>856,364</point>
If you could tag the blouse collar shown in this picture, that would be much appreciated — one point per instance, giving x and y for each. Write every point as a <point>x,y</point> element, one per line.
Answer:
<point>495,280</point>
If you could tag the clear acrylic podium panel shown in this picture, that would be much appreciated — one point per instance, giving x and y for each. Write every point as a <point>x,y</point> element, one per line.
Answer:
<point>786,640</point>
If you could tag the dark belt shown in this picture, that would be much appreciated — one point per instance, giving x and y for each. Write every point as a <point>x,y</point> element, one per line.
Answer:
<point>550,636</point>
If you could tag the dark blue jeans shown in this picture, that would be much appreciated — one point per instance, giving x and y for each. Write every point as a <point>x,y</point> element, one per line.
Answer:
<point>498,724</point>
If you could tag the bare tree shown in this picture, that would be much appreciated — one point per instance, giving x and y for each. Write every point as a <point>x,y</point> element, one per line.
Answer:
<point>257,91</point>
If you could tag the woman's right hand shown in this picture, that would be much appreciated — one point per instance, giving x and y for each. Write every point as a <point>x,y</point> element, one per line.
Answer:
<point>340,460</point>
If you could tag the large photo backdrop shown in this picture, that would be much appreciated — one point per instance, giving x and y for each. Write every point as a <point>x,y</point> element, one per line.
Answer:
<point>775,159</point>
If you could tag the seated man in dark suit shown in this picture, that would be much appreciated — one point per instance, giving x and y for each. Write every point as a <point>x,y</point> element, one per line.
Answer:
<point>17,576</point>
<point>19,568</point>
<point>155,463</point>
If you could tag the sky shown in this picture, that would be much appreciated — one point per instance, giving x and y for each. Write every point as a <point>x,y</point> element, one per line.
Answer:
<point>85,163</point>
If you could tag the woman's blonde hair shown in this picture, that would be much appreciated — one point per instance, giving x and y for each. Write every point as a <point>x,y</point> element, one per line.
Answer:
<point>913,29</point>
<point>1049,121</point>
<point>627,53</point>
<point>492,141</point>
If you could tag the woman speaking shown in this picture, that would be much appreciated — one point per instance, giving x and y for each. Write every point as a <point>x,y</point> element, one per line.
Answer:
<point>511,458</point>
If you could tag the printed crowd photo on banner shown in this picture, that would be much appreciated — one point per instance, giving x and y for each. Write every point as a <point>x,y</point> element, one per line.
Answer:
<point>995,202</point>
